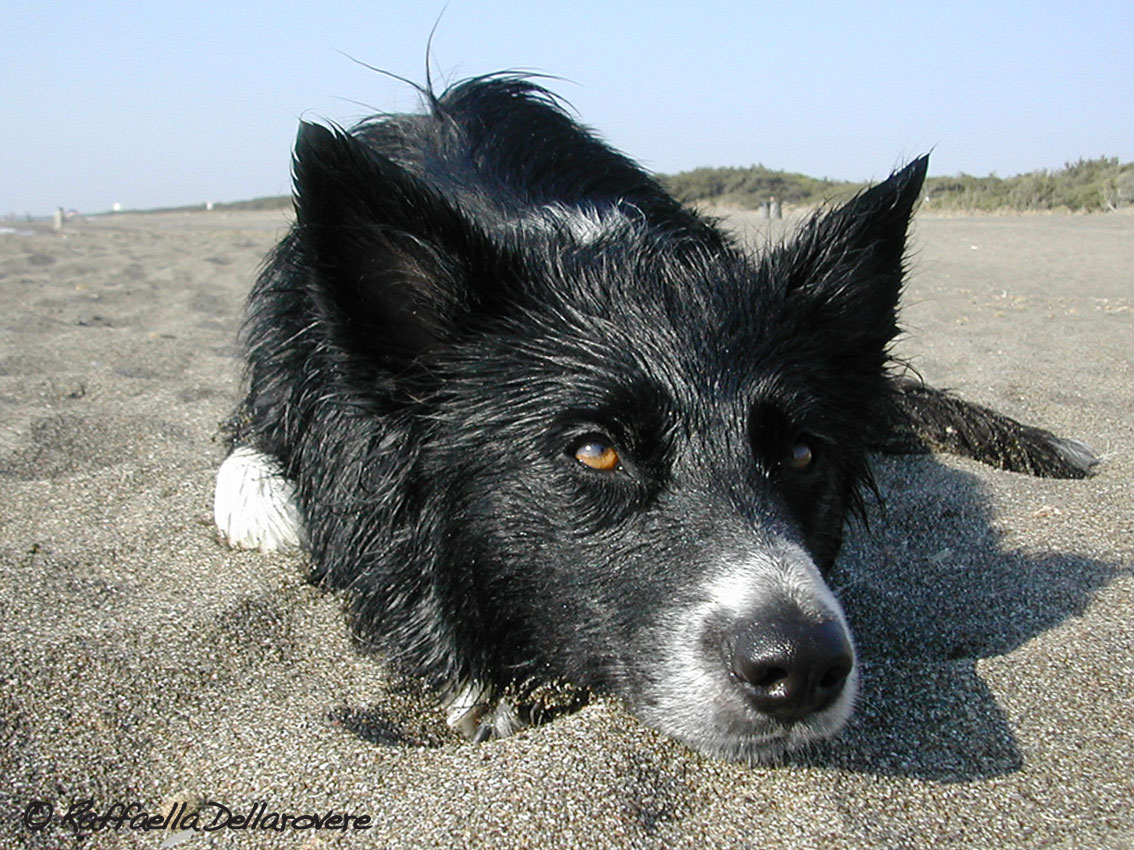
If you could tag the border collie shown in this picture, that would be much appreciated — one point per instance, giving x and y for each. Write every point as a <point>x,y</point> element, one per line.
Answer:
<point>545,424</point>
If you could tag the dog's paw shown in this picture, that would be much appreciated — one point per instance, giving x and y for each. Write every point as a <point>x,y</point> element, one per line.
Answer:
<point>254,505</point>
<point>482,712</point>
<point>475,711</point>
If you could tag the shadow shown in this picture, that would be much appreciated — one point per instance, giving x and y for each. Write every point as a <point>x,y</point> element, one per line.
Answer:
<point>929,592</point>
<point>407,715</point>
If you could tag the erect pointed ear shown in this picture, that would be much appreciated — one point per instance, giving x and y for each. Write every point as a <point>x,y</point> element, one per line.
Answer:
<point>393,268</point>
<point>843,273</point>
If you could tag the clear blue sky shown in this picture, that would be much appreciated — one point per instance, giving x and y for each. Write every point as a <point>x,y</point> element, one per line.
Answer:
<point>161,103</point>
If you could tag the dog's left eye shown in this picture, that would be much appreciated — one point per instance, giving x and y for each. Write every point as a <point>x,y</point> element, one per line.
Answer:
<point>597,454</point>
<point>800,457</point>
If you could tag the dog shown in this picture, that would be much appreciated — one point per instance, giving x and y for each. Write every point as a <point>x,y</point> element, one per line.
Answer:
<point>555,432</point>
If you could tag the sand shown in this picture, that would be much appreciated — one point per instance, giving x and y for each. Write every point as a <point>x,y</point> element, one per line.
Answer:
<point>146,664</point>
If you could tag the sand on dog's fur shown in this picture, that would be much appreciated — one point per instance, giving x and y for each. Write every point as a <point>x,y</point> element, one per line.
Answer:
<point>146,663</point>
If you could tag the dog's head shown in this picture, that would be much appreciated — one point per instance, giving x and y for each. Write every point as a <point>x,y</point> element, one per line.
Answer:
<point>624,454</point>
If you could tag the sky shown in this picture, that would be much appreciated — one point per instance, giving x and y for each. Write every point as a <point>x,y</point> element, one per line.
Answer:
<point>160,103</point>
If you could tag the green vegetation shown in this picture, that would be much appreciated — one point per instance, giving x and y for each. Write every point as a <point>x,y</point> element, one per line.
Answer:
<point>1089,185</point>
<point>751,187</point>
<point>275,202</point>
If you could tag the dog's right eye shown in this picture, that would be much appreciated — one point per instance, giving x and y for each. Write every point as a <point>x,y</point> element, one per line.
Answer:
<point>597,454</point>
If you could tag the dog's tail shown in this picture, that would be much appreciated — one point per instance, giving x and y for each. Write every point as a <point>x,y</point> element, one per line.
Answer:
<point>924,419</point>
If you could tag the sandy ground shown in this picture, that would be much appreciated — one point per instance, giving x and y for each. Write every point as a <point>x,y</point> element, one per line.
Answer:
<point>145,663</point>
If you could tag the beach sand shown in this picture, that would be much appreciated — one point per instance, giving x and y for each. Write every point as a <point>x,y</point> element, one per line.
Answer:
<point>146,663</point>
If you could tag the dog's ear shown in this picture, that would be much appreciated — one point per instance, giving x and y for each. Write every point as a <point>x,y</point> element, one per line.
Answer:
<point>843,273</point>
<point>395,267</point>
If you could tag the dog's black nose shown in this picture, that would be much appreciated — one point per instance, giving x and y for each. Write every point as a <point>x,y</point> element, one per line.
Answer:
<point>790,668</point>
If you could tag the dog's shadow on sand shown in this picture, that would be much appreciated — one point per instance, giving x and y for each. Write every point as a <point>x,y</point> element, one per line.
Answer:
<point>930,590</point>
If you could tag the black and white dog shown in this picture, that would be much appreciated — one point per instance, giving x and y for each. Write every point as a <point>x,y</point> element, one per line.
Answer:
<point>547,425</point>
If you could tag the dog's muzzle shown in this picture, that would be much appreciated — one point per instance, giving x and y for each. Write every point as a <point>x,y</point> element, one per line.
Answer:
<point>759,662</point>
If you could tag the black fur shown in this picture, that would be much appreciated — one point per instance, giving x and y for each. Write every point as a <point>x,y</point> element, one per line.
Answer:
<point>470,295</point>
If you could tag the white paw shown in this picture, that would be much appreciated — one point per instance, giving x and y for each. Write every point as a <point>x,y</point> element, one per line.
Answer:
<point>254,505</point>
<point>466,706</point>
<point>474,711</point>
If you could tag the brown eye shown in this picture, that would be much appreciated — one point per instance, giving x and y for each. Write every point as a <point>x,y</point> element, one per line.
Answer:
<point>597,455</point>
<point>801,457</point>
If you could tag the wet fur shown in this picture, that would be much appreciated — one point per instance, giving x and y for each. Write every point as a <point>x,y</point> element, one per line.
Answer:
<point>469,292</point>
